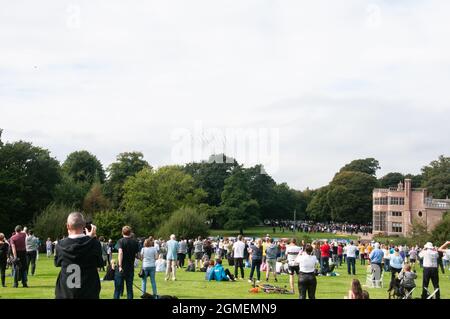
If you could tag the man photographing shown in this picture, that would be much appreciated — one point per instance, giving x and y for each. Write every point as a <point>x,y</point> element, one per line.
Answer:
<point>79,256</point>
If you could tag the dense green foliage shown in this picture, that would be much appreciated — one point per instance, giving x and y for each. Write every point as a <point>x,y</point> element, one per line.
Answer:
<point>109,223</point>
<point>436,177</point>
<point>185,222</point>
<point>51,223</point>
<point>82,166</point>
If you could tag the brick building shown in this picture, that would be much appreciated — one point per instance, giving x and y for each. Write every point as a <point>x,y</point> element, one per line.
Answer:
<point>394,209</point>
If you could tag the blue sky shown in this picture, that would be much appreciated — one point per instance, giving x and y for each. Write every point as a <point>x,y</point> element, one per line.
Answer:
<point>338,80</point>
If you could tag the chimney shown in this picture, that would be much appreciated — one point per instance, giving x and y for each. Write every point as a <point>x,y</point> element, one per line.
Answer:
<point>400,186</point>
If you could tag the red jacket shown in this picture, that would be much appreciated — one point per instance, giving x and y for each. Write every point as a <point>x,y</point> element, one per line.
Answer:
<point>325,250</point>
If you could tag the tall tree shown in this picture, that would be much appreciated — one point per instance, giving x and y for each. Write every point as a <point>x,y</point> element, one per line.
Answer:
<point>210,175</point>
<point>367,165</point>
<point>238,208</point>
<point>350,197</point>
<point>391,180</point>
<point>126,165</point>
<point>69,192</point>
<point>319,209</point>
<point>261,187</point>
<point>151,196</point>
<point>95,201</point>
<point>436,177</point>
<point>28,175</point>
<point>83,166</point>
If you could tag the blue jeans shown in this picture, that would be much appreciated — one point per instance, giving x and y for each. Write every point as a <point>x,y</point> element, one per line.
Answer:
<point>351,265</point>
<point>324,265</point>
<point>256,264</point>
<point>149,272</point>
<point>119,278</point>
<point>387,265</point>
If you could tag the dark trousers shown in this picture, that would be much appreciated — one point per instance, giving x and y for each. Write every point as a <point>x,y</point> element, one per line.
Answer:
<point>119,279</point>
<point>363,259</point>
<point>351,265</point>
<point>238,263</point>
<point>20,269</point>
<point>181,258</point>
<point>256,264</point>
<point>340,260</point>
<point>393,272</point>
<point>307,283</point>
<point>3,270</point>
<point>228,273</point>
<point>31,259</point>
<point>324,265</point>
<point>441,265</point>
<point>433,274</point>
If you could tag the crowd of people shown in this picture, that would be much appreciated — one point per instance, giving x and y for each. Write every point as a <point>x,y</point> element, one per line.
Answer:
<point>265,257</point>
<point>308,226</point>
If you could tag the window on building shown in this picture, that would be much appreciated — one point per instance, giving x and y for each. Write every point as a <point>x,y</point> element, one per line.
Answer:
<point>396,214</point>
<point>380,201</point>
<point>396,201</point>
<point>397,227</point>
<point>379,221</point>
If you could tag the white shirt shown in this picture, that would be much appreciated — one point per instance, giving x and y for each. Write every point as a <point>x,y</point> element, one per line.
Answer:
<point>292,251</point>
<point>430,257</point>
<point>351,251</point>
<point>307,262</point>
<point>238,249</point>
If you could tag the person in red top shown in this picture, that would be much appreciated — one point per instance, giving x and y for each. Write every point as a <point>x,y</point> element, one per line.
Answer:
<point>340,252</point>
<point>324,257</point>
<point>19,250</point>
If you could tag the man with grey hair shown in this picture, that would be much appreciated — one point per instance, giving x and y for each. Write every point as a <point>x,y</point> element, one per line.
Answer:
<point>172,249</point>
<point>79,256</point>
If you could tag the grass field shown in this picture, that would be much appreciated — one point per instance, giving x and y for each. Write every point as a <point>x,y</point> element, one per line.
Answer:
<point>193,285</point>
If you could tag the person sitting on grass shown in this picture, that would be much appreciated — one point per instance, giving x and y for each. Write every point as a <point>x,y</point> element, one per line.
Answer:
<point>407,278</point>
<point>160,264</point>
<point>191,266</point>
<point>210,266</point>
<point>218,273</point>
<point>356,291</point>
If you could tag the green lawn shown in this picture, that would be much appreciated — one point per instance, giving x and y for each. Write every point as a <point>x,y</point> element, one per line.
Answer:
<point>193,285</point>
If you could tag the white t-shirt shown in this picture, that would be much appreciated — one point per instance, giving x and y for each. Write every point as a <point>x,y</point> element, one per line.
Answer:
<point>430,258</point>
<point>238,249</point>
<point>292,251</point>
<point>307,262</point>
<point>351,251</point>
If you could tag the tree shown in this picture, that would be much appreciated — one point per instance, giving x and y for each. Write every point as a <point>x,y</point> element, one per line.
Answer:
<point>367,165</point>
<point>350,197</point>
<point>319,209</point>
<point>152,195</point>
<point>185,222</point>
<point>285,201</point>
<point>95,201</point>
<point>416,180</point>
<point>1,132</point>
<point>109,223</point>
<point>436,177</point>
<point>28,175</point>
<point>261,187</point>
<point>69,192</point>
<point>237,207</point>
<point>210,176</point>
<point>391,180</point>
<point>441,233</point>
<point>418,234</point>
<point>127,164</point>
<point>51,223</point>
<point>82,166</point>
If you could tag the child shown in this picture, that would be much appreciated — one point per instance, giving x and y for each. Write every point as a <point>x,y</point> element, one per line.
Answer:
<point>209,269</point>
<point>407,277</point>
<point>191,266</point>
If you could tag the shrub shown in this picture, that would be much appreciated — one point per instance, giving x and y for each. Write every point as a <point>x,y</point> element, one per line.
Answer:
<point>186,222</point>
<point>52,222</point>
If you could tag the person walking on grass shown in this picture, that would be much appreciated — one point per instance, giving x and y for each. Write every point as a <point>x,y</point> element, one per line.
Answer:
<point>238,255</point>
<point>172,251</point>
<point>292,251</point>
<point>182,251</point>
<point>271,259</point>
<point>19,251</point>
<point>324,258</point>
<point>198,252</point>
<point>128,250</point>
<point>4,249</point>
<point>307,281</point>
<point>351,250</point>
<point>79,256</point>
<point>149,255</point>
<point>256,251</point>
<point>32,245</point>
<point>48,247</point>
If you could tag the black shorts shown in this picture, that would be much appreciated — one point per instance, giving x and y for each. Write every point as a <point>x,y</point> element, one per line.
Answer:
<point>198,256</point>
<point>293,269</point>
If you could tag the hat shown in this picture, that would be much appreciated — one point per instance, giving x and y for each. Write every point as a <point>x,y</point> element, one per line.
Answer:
<point>428,245</point>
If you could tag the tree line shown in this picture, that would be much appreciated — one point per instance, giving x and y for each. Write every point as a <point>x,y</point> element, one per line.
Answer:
<point>37,190</point>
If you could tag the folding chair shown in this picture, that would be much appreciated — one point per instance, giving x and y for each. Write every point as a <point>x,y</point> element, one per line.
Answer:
<point>408,294</point>
<point>431,296</point>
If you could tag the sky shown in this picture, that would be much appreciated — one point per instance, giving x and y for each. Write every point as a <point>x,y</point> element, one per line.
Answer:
<point>303,87</point>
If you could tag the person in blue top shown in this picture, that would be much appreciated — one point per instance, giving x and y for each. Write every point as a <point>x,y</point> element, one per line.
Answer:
<point>172,253</point>
<point>376,258</point>
<point>218,273</point>
<point>396,264</point>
